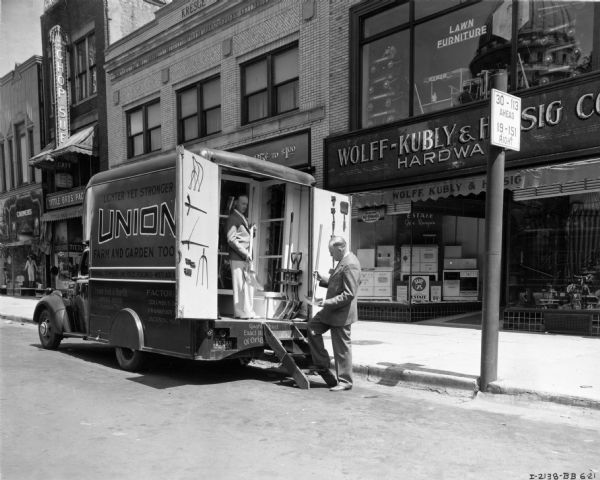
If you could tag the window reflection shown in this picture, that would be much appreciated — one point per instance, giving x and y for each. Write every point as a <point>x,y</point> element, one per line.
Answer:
<point>555,41</point>
<point>386,79</point>
<point>452,51</point>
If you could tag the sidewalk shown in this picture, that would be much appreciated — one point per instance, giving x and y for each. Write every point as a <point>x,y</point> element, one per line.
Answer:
<point>556,368</point>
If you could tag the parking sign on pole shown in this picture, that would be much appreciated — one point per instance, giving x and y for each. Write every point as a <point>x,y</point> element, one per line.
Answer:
<point>505,120</point>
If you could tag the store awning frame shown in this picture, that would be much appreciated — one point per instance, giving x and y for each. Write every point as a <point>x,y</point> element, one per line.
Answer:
<point>82,142</point>
<point>63,214</point>
<point>537,182</point>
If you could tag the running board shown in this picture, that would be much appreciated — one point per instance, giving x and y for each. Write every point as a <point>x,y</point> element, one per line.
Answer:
<point>285,358</point>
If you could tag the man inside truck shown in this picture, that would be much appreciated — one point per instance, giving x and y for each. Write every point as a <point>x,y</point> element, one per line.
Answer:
<point>238,240</point>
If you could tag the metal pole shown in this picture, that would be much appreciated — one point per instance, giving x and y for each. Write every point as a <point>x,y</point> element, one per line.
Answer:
<point>493,254</point>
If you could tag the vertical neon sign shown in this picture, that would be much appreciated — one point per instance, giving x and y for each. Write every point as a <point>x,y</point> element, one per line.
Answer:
<point>58,41</point>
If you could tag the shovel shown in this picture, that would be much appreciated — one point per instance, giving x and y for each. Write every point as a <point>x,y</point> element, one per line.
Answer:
<point>287,275</point>
<point>249,272</point>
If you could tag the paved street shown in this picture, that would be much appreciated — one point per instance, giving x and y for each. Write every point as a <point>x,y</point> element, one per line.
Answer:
<point>71,414</point>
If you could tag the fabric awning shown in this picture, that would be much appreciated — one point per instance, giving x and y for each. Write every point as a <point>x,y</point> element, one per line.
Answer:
<point>547,181</point>
<point>83,142</point>
<point>63,214</point>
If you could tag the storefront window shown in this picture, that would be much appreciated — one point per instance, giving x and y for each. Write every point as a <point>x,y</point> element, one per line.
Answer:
<point>555,41</point>
<point>451,51</point>
<point>431,255</point>
<point>68,249</point>
<point>555,252</point>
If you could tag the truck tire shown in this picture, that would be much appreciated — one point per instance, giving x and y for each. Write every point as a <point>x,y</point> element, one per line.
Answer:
<point>50,336</point>
<point>130,360</point>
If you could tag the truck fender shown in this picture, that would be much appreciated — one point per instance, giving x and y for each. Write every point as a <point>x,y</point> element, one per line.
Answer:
<point>55,304</point>
<point>127,330</point>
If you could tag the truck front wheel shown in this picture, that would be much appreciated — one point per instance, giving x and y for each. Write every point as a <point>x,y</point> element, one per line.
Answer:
<point>50,337</point>
<point>130,360</point>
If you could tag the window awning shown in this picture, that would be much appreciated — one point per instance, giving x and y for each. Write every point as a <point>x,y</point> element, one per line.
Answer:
<point>63,214</point>
<point>83,142</point>
<point>547,181</point>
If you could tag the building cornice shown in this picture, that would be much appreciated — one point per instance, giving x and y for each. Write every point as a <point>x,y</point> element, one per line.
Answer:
<point>20,68</point>
<point>191,30</point>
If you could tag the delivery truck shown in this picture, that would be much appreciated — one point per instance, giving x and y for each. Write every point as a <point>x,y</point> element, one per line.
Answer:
<point>155,274</point>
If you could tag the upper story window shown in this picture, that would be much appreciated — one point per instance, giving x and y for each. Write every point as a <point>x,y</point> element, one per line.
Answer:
<point>436,55</point>
<point>199,110</point>
<point>270,85</point>
<point>555,41</point>
<point>144,129</point>
<point>4,171</point>
<point>86,83</point>
<point>23,170</point>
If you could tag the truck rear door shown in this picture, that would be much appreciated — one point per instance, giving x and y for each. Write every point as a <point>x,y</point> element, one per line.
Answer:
<point>197,236</point>
<point>331,217</point>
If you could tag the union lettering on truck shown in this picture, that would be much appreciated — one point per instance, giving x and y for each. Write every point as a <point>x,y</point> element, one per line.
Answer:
<point>155,220</point>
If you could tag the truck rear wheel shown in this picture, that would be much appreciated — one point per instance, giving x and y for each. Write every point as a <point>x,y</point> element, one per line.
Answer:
<point>50,337</point>
<point>130,360</point>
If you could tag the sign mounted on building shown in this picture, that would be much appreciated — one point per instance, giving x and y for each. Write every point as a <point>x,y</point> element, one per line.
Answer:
<point>290,150</point>
<point>58,42</point>
<point>64,199</point>
<point>558,122</point>
<point>505,120</point>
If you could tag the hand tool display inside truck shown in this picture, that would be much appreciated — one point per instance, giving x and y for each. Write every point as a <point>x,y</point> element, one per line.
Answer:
<point>163,242</point>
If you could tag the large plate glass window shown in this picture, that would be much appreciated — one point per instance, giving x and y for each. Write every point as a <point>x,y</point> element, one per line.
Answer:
<point>555,252</point>
<point>452,51</point>
<point>385,66</point>
<point>555,41</point>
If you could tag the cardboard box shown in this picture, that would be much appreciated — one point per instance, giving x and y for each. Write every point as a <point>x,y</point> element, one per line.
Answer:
<point>382,278</point>
<point>366,257</point>
<point>382,291</point>
<point>385,256</point>
<point>435,290</point>
<point>365,289</point>
<point>402,292</point>
<point>428,254</point>
<point>452,251</point>
<point>459,263</point>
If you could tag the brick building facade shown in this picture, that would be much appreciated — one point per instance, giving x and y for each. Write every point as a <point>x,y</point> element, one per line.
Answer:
<point>193,42</point>
<point>21,205</point>
<point>74,39</point>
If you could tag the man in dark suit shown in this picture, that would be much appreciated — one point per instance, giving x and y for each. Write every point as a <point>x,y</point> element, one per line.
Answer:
<point>338,314</point>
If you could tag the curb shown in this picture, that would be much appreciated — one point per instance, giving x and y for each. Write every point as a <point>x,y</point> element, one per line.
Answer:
<point>393,375</point>
<point>536,395</point>
<point>14,318</point>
